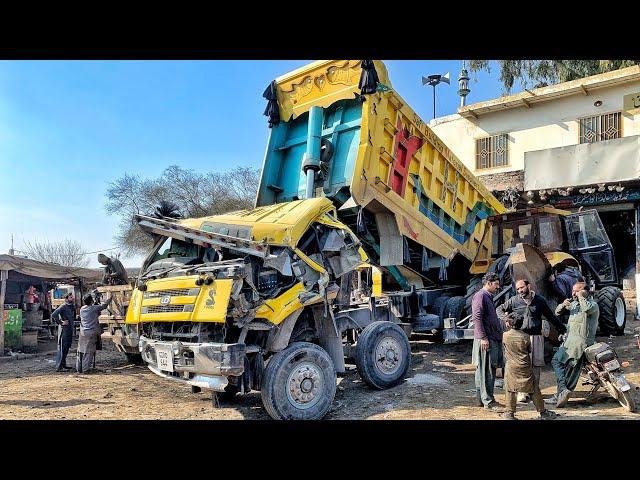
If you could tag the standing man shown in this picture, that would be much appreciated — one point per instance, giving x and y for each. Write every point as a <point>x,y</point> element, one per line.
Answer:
<point>89,331</point>
<point>564,281</point>
<point>581,332</point>
<point>114,272</point>
<point>527,309</point>
<point>64,316</point>
<point>519,370</point>
<point>487,341</point>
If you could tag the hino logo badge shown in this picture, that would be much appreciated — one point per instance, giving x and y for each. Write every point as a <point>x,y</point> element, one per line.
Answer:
<point>165,300</point>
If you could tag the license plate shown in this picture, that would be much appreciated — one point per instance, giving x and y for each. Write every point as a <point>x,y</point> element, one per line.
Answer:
<point>622,383</point>
<point>165,358</point>
<point>612,365</point>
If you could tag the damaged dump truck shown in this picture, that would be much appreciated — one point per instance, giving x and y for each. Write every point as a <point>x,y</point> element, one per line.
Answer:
<point>364,230</point>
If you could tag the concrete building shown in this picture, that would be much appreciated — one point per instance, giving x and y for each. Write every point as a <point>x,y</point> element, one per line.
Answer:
<point>571,145</point>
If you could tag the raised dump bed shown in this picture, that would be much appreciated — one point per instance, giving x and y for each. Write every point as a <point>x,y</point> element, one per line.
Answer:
<point>393,180</point>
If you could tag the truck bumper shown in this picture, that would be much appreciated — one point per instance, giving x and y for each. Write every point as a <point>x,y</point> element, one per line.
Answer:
<point>204,365</point>
<point>454,335</point>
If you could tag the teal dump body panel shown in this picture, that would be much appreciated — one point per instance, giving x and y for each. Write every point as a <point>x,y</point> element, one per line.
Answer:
<point>282,177</point>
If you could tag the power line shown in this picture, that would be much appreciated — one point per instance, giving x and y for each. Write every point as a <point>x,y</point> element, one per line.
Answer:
<point>76,254</point>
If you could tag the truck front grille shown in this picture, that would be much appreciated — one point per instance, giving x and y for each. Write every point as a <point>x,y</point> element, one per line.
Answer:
<point>179,292</point>
<point>162,309</point>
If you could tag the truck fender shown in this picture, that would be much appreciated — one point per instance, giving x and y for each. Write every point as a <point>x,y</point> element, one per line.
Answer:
<point>279,337</point>
<point>329,338</point>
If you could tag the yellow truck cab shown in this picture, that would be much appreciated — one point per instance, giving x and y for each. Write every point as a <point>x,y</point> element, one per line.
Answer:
<point>220,295</point>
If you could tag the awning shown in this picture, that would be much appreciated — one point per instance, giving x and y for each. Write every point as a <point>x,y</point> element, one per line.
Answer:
<point>47,271</point>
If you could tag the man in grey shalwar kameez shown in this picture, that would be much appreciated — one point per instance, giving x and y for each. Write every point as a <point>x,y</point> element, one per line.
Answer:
<point>89,331</point>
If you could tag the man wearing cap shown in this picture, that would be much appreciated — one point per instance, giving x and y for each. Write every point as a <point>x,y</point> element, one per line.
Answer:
<point>89,332</point>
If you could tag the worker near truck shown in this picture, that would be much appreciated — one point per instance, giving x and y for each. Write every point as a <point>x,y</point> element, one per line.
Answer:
<point>487,353</point>
<point>581,332</point>
<point>527,309</point>
<point>64,316</point>
<point>89,333</point>
<point>114,272</point>
<point>564,280</point>
<point>519,370</point>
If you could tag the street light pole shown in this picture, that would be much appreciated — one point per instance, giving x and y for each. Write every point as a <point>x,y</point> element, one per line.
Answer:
<point>434,100</point>
<point>434,80</point>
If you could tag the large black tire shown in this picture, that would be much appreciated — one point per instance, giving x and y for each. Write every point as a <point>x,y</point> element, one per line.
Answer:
<point>383,355</point>
<point>455,308</point>
<point>474,285</point>
<point>439,306</point>
<point>613,311</point>
<point>299,383</point>
<point>499,268</point>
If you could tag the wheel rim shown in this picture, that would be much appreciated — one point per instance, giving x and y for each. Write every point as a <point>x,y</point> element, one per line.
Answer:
<point>304,385</point>
<point>388,356</point>
<point>623,400</point>
<point>619,312</point>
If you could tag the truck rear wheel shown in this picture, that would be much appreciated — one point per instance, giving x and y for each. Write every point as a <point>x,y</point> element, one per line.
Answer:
<point>299,383</point>
<point>613,312</point>
<point>383,355</point>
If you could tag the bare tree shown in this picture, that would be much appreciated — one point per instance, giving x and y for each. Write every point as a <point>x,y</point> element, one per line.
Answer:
<point>68,253</point>
<point>193,194</point>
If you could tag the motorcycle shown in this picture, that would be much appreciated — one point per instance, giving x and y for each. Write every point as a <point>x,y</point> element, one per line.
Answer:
<point>602,369</point>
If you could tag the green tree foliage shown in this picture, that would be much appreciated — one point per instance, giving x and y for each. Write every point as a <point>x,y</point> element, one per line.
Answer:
<point>540,73</point>
<point>193,194</point>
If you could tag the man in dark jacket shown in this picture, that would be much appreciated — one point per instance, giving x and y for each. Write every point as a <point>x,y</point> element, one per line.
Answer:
<point>487,341</point>
<point>64,316</point>
<point>114,272</point>
<point>564,281</point>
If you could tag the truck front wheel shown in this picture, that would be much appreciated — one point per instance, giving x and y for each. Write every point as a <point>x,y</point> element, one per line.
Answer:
<point>299,383</point>
<point>383,355</point>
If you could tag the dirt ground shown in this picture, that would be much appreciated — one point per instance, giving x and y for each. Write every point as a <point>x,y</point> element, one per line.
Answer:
<point>439,386</point>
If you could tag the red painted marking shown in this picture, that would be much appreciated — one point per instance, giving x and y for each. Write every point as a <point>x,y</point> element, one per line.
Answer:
<point>413,234</point>
<point>404,148</point>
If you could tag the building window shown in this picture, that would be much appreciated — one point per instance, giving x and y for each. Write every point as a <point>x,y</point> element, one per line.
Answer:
<point>492,151</point>
<point>600,127</point>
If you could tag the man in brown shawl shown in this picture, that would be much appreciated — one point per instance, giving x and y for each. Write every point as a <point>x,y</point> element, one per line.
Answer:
<point>518,372</point>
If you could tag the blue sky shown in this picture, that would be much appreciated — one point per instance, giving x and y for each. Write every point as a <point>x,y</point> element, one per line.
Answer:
<point>68,128</point>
